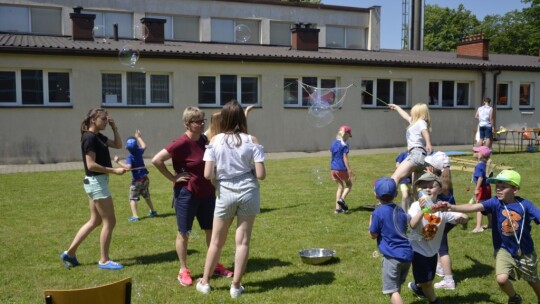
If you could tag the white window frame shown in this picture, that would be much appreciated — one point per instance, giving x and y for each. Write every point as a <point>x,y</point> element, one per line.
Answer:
<point>107,19</point>
<point>18,19</point>
<point>346,40</point>
<point>217,90</point>
<point>439,101</point>
<point>228,34</point>
<point>45,84</point>
<point>375,102</point>
<point>277,32</point>
<point>300,90</point>
<point>531,95</point>
<point>508,103</point>
<point>124,102</point>
<point>170,25</point>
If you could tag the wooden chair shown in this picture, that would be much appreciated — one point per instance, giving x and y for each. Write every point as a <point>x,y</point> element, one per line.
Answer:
<point>114,293</point>
<point>501,137</point>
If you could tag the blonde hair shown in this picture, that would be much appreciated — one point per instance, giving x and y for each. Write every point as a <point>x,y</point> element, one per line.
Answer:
<point>420,111</point>
<point>215,122</point>
<point>191,113</point>
<point>340,134</point>
<point>446,181</point>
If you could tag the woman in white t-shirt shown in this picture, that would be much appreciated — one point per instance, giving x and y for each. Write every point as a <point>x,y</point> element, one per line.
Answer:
<point>236,160</point>
<point>418,141</point>
<point>484,114</point>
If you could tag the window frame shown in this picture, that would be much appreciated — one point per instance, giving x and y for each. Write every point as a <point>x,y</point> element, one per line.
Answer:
<point>22,17</point>
<point>506,103</point>
<point>440,103</point>
<point>106,19</point>
<point>347,36</point>
<point>171,24</point>
<point>375,103</point>
<point>301,101</point>
<point>218,93</point>
<point>124,89</point>
<point>530,96</point>
<point>220,38</point>
<point>276,34</point>
<point>45,89</point>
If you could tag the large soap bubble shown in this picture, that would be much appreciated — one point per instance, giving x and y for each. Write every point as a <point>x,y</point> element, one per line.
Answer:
<point>128,56</point>
<point>242,33</point>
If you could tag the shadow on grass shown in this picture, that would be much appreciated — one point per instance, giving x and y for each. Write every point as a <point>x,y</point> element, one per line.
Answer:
<point>294,280</point>
<point>266,210</point>
<point>159,215</point>
<point>169,256</point>
<point>475,297</point>
<point>477,270</point>
<point>259,264</point>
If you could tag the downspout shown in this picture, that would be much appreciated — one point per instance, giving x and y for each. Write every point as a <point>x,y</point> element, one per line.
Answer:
<point>494,104</point>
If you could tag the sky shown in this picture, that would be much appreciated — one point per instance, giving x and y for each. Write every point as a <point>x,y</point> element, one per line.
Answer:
<point>391,13</point>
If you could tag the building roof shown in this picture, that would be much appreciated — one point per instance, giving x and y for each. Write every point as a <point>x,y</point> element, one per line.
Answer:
<point>65,45</point>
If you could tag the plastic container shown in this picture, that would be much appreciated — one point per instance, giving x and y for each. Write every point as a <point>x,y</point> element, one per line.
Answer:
<point>428,202</point>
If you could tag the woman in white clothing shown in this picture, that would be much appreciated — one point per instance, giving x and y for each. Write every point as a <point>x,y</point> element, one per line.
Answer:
<point>236,160</point>
<point>484,114</point>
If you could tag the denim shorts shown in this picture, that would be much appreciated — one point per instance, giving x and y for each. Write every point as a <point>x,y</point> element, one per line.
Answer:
<point>97,186</point>
<point>416,157</point>
<point>238,196</point>
<point>188,208</point>
<point>485,132</point>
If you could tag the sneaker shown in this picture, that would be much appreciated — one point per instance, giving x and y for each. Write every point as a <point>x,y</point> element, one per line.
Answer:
<point>236,292</point>
<point>184,277</point>
<point>69,261</point>
<point>110,265</point>
<point>343,205</point>
<point>152,213</point>
<point>133,219</point>
<point>339,210</point>
<point>416,290</point>
<point>477,230</point>
<point>444,284</point>
<point>516,299</point>
<point>440,270</point>
<point>223,272</point>
<point>202,288</point>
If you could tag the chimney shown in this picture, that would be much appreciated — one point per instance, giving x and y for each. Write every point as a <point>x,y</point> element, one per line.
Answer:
<point>305,38</point>
<point>474,46</point>
<point>153,30</point>
<point>83,24</point>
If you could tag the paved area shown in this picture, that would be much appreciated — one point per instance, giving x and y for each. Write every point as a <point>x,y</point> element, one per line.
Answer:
<point>6,169</point>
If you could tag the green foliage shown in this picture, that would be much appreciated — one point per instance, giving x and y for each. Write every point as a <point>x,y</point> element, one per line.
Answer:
<point>41,212</point>
<point>444,27</point>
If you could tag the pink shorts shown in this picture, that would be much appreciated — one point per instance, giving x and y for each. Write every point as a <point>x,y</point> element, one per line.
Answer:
<point>484,194</point>
<point>339,175</point>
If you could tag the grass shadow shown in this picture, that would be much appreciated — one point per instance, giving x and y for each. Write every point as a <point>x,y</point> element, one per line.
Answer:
<point>477,270</point>
<point>260,264</point>
<point>266,210</point>
<point>168,256</point>
<point>296,280</point>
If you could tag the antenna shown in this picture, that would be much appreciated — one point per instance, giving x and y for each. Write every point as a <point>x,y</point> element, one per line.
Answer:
<point>405,25</point>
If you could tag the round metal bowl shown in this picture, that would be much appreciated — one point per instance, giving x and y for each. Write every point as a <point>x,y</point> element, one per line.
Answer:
<point>315,256</point>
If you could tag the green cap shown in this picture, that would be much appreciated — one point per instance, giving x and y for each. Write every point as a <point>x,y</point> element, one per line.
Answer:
<point>507,176</point>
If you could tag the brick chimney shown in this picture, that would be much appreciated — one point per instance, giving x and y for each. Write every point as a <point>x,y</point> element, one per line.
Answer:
<point>83,24</point>
<point>474,46</point>
<point>305,38</point>
<point>153,30</point>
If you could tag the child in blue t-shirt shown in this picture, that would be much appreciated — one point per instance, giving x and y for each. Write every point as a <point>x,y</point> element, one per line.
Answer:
<point>482,190</point>
<point>511,233</point>
<point>405,184</point>
<point>388,225</point>
<point>140,181</point>
<point>339,168</point>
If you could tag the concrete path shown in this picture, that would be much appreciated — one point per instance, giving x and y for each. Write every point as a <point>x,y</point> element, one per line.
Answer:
<point>6,169</point>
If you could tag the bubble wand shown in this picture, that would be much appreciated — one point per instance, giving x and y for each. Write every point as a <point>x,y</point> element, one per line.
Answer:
<point>362,88</point>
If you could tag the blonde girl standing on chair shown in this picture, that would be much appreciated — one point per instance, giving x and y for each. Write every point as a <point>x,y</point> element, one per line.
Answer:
<point>418,141</point>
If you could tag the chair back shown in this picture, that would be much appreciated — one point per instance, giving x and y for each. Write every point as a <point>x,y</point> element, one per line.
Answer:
<point>114,293</point>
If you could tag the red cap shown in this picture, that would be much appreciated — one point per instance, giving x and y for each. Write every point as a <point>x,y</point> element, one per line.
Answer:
<point>347,130</point>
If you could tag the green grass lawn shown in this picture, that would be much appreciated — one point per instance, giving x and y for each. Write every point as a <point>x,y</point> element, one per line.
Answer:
<point>41,212</point>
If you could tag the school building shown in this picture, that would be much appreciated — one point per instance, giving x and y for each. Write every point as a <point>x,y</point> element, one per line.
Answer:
<point>145,61</point>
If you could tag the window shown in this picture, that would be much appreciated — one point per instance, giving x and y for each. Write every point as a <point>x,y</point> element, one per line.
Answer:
<point>345,37</point>
<point>108,19</point>
<point>34,87</point>
<point>135,89</point>
<point>448,93</point>
<point>280,33</point>
<point>292,89</point>
<point>525,98</point>
<point>235,31</point>
<point>377,92</point>
<point>183,28</point>
<point>39,20</point>
<point>503,95</point>
<point>216,90</point>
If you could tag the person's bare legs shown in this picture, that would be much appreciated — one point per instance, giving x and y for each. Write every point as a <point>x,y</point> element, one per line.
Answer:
<point>446,264</point>
<point>339,192</point>
<point>428,290</point>
<point>242,238</point>
<point>181,249</point>
<point>505,285</point>
<point>86,229</point>
<point>478,226</point>
<point>395,298</point>
<point>150,204</point>
<point>347,189</point>
<point>536,288</point>
<point>105,208</point>
<point>133,205</point>
<point>404,169</point>
<point>217,241</point>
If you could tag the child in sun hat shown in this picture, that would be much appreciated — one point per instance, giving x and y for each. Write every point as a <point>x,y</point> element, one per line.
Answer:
<point>341,171</point>
<point>388,226</point>
<point>139,177</point>
<point>515,256</point>
<point>482,190</point>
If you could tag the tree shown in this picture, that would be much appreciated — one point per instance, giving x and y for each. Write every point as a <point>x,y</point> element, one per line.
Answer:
<point>444,27</point>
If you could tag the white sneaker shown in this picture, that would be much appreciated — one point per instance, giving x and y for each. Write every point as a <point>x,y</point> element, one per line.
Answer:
<point>440,270</point>
<point>203,288</point>
<point>236,292</point>
<point>450,285</point>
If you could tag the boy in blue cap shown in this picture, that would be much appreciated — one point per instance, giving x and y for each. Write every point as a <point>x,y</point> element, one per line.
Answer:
<point>512,215</point>
<point>389,226</point>
<point>140,181</point>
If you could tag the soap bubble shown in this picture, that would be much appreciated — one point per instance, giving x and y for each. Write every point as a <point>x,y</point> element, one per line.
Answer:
<point>140,31</point>
<point>128,56</point>
<point>242,33</point>
<point>318,176</point>
<point>100,34</point>
<point>320,114</point>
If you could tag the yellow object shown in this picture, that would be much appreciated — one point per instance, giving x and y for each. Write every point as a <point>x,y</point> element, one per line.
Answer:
<point>114,293</point>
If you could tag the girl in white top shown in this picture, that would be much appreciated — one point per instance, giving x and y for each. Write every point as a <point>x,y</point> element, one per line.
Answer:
<point>236,160</point>
<point>418,140</point>
<point>484,114</point>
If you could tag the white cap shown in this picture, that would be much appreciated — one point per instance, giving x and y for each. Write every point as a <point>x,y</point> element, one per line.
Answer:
<point>438,160</point>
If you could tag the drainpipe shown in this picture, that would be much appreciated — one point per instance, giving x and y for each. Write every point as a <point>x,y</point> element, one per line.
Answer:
<point>483,73</point>
<point>494,102</point>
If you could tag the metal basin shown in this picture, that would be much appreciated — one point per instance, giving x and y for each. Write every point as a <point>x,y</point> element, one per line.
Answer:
<point>315,256</point>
